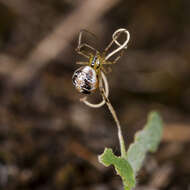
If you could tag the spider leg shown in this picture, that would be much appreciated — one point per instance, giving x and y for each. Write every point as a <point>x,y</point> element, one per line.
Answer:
<point>86,31</point>
<point>108,47</point>
<point>106,70</point>
<point>81,45</point>
<point>81,63</point>
<point>118,57</point>
<point>85,53</point>
<point>82,52</point>
<point>115,60</point>
<point>110,44</point>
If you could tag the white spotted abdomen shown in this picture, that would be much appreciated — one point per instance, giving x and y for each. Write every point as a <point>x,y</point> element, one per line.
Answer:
<point>85,79</point>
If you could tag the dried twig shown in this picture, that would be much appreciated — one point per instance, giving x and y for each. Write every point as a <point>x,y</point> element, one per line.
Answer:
<point>112,111</point>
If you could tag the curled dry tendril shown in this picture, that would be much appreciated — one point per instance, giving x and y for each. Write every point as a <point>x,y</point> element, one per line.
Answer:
<point>103,77</point>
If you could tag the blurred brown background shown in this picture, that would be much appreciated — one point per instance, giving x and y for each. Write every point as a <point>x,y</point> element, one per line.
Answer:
<point>50,140</point>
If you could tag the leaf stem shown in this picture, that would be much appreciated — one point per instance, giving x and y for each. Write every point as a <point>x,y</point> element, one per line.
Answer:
<point>120,135</point>
<point>114,115</point>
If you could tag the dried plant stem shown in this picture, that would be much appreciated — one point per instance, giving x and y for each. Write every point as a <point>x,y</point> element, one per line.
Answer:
<point>114,115</point>
<point>120,135</point>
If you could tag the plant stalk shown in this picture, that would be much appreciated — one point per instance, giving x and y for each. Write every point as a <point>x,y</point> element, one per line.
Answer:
<point>114,115</point>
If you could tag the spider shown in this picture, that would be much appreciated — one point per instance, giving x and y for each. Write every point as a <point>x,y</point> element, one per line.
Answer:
<point>88,77</point>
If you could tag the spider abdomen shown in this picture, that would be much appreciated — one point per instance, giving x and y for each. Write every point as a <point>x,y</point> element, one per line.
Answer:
<point>85,79</point>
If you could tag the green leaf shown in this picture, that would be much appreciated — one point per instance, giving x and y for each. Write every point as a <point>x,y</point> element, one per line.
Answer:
<point>146,140</point>
<point>121,165</point>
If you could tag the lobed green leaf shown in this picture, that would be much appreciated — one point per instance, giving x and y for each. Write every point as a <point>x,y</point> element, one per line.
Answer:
<point>121,165</point>
<point>146,140</point>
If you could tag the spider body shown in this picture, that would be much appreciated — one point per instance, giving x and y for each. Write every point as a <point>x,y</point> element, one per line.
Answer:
<point>86,78</point>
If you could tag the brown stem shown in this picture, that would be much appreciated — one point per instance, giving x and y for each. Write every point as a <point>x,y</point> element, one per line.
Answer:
<point>114,115</point>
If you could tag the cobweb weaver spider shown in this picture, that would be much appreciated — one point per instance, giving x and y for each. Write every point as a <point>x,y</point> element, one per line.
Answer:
<point>88,78</point>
